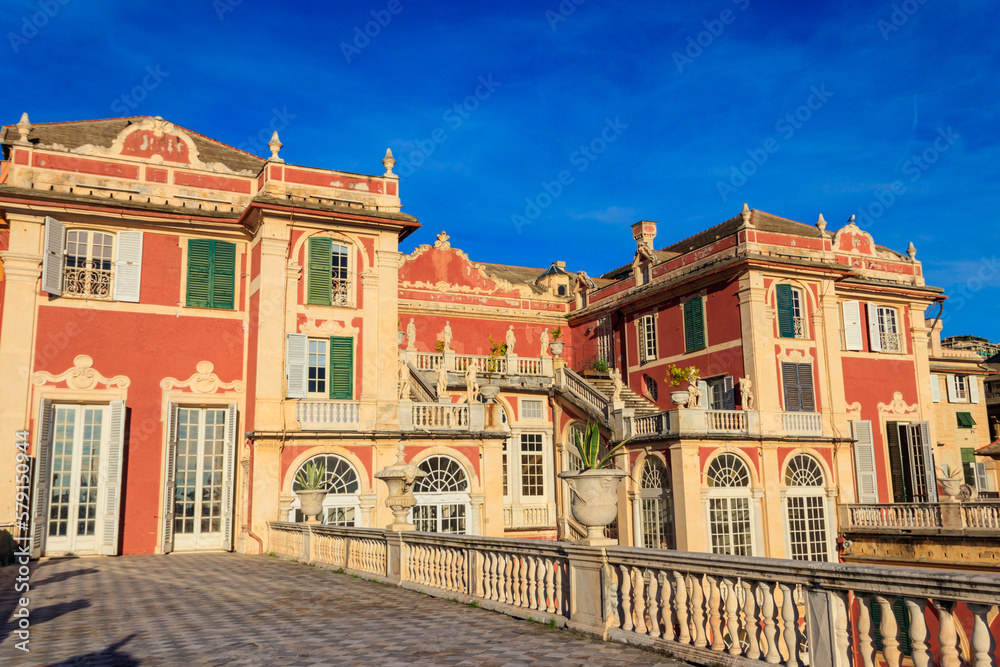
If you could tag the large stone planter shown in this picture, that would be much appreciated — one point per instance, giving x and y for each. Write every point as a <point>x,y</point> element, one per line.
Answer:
<point>595,500</point>
<point>556,347</point>
<point>680,398</point>
<point>951,487</point>
<point>311,504</point>
<point>489,391</point>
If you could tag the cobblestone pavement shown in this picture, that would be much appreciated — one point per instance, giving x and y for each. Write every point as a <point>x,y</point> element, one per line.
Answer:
<point>227,609</point>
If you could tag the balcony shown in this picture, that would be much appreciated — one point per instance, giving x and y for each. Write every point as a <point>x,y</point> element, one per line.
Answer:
<point>798,424</point>
<point>892,343</point>
<point>509,365</point>
<point>975,518</point>
<point>441,416</point>
<point>328,415</point>
<point>689,422</point>
<point>87,280</point>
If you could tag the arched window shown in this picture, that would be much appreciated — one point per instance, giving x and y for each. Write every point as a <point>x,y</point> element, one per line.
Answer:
<point>656,505</point>
<point>442,496</point>
<point>805,510</point>
<point>729,507</point>
<point>341,505</point>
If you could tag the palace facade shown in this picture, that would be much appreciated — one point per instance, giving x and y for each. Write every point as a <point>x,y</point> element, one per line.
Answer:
<point>185,326</point>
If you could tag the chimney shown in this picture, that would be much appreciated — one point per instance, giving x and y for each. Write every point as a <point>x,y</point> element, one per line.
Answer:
<point>561,265</point>
<point>644,232</point>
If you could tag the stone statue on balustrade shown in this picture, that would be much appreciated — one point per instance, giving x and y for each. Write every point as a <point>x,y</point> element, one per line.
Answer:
<point>446,336</point>
<point>746,393</point>
<point>442,381</point>
<point>616,379</point>
<point>694,394</point>
<point>404,380</point>
<point>471,384</point>
<point>411,335</point>
<point>545,343</point>
<point>510,339</point>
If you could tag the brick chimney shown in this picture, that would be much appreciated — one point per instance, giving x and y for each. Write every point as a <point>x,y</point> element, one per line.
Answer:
<point>644,232</point>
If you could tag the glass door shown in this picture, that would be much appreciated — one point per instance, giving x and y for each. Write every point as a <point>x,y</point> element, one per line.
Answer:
<point>77,444</point>
<point>198,492</point>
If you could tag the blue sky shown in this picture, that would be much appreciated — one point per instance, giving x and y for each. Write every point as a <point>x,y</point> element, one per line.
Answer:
<point>674,112</point>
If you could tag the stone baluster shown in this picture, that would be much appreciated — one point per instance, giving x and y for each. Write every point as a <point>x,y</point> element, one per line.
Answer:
<point>732,617</point>
<point>653,605</point>
<point>714,613</point>
<point>980,642</point>
<point>947,634</point>
<point>889,631</point>
<point>508,582</point>
<point>518,574</point>
<point>492,576</point>
<point>865,647</point>
<point>698,611</point>
<point>768,610</point>
<point>789,622</point>
<point>665,589</point>
<point>550,587</point>
<point>639,600</point>
<point>839,604</point>
<point>452,570</point>
<point>681,603</point>
<point>751,620</point>
<point>625,585</point>
<point>533,588</point>
<point>918,631</point>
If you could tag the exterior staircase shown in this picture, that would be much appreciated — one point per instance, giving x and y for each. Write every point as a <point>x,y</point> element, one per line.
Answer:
<point>641,405</point>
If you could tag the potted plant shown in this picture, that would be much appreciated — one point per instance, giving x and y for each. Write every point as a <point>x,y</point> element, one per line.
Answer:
<point>498,350</point>
<point>310,487</point>
<point>677,376</point>
<point>557,344</point>
<point>951,480</point>
<point>595,487</point>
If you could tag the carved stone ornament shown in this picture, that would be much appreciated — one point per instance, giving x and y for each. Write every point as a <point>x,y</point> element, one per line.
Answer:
<point>204,381</point>
<point>442,241</point>
<point>897,406</point>
<point>81,376</point>
<point>326,328</point>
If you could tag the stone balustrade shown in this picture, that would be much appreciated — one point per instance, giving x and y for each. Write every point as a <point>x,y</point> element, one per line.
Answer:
<point>585,392</point>
<point>328,415</point>
<point>802,423</point>
<point>693,421</point>
<point>484,364</point>
<point>973,518</point>
<point>708,609</point>
<point>441,416</point>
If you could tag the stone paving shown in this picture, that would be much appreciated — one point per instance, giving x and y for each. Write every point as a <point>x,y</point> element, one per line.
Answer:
<point>227,609</point>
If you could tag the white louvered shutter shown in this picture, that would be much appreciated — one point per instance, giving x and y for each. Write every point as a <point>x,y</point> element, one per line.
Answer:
<point>641,322</point>
<point>864,462</point>
<point>128,266</point>
<point>113,479</point>
<point>853,339</point>
<point>874,337</point>
<point>929,467</point>
<point>981,480</point>
<point>952,388</point>
<point>169,479</point>
<point>43,458</point>
<point>936,388</point>
<point>973,389</point>
<point>296,351</point>
<point>54,259</point>
<point>730,394</point>
<point>706,394</point>
<point>228,482</point>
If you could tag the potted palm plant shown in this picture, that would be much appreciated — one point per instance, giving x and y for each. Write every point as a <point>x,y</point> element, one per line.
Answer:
<point>677,376</point>
<point>951,480</point>
<point>310,487</point>
<point>557,344</point>
<point>595,487</point>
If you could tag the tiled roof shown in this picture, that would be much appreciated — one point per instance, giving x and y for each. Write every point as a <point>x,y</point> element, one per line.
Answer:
<point>762,221</point>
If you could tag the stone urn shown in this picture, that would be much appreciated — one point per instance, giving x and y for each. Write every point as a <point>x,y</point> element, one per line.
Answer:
<point>595,500</point>
<point>951,486</point>
<point>400,477</point>
<point>489,391</point>
<point>680,398</point>
<point>311,503</point>
<point>556,347</point>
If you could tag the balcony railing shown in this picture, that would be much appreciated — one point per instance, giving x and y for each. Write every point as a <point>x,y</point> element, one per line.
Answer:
<point>584,391</point>
<point>328,415</point>
<point>483,363</point>
<point>802,423</point>
<point>799,324</point>
<point>654,424</point>
<point>725,421</point>
<point>707,609</point>
<point>441,416</point>
<point>922,518</point>
<point>891,342</point>
<point>685,422</point>
<point>87,280</point>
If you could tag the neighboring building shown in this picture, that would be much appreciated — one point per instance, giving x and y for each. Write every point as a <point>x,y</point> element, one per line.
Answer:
<point>992,383</point>
<point>185,326</point>
<point>981,346</point>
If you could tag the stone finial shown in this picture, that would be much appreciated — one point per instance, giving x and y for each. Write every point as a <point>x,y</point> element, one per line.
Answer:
<point>24,128</point>
<point>821,223</point>
<point>389,163</point>
<point>745,214</point>
<point>442,241</point>
<point>912,251</point>
<point>275,145</point>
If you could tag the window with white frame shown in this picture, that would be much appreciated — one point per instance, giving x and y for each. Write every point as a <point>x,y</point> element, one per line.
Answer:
<point>791,320</point>
<point>443,503</point>
<point>962,388</point>
<point>730,516</point>
<point>647,338</point>
<point>532,465</point>
<point>888,330</point>
<point>341,506</point>
<point>91,263</point>
<point>656,505</point>
<point>328,273</point>
<point>807,526</point>
<point>532,409</point>
<point>318,364</point>
<point>605,341</point>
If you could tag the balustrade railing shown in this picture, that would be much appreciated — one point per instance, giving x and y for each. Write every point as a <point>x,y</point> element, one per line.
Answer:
<point>964,516</point>
<point>981,515</point>
<point>654,424</point>
<point>726,421</point>
<point>483,363</point>
<point>802,423</point>
<point>440,415</point>
<point>585,391</point>
<point>708,609</point>
<point>895,515</point>
<point>328,415</point>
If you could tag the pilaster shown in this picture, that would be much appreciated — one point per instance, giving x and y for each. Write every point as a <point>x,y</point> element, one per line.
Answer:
<point>685,472</point>
<point>272,320</point>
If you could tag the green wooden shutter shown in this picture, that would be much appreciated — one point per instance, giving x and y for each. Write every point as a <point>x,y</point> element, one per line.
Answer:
<point>790,379</point>
<point>694,325</point>
<point>969,465</point>
<point>319,287</point>
<point>902,623</point>
<point>199,274</point>
<point>223,274</point>
<point>786,316</point>
<point>897,467</point>
<point>341,368</point>
<point>806,391</point>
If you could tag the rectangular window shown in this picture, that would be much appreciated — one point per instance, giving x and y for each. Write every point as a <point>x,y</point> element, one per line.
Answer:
<point>911,462</point>
<point>694,325</point>
<point>807,528</point>
<point>791,324</point>
<point>532,469</point>
<point>962,388</point>
<point>798,382</point>
<point>888,331</point>
<point>531,409</point>
<point>211,274</point>
<point>965,420</point>
<point>969,465</point>
<point>719,394</point>
<point>318,365</point>
<point>647,338</point>
<point>328,282</point>
<point>729,524</point>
